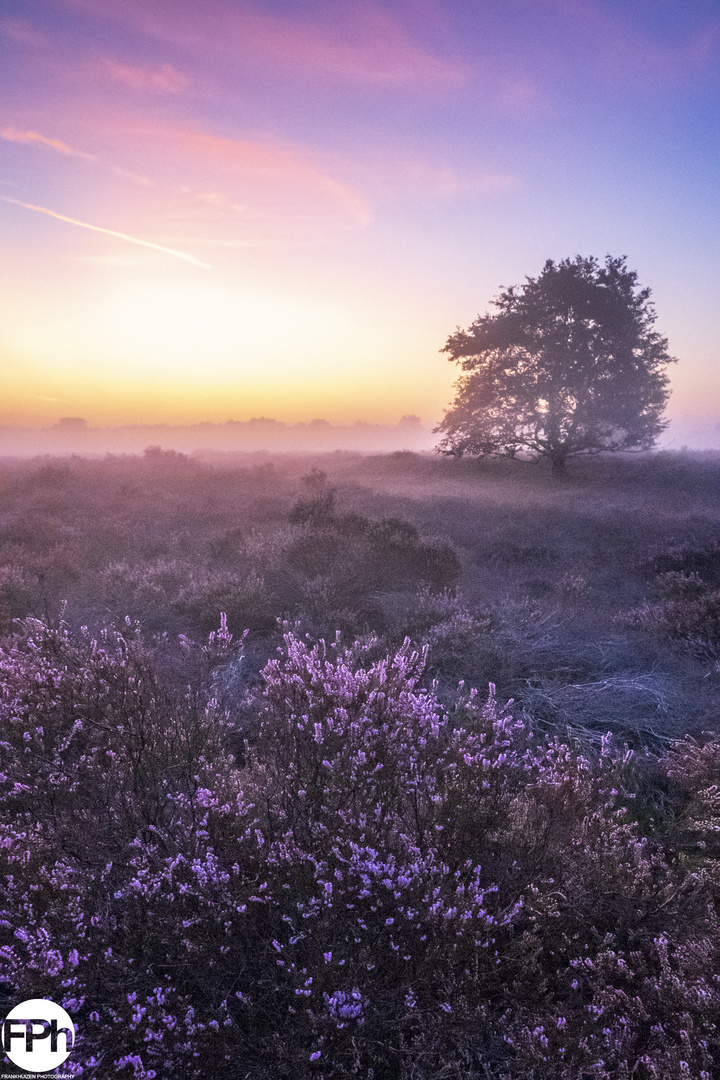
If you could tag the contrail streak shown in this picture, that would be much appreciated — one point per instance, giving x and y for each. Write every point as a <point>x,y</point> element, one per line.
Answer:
<point>110,232</point>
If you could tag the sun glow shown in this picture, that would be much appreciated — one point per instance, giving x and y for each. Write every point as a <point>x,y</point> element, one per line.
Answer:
<point>180,327</point>
<point>247,208</point>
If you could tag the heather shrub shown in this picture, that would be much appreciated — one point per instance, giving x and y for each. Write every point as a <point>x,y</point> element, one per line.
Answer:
<point>16,594</point>
<point>690,619</point>
<point>184,593</point>
<point>319,507</point>
<point>331,571</point>
<point>95,743</point>
<point>702,560</point>
<point>386,554</point>
<point>676,584</point>
<point>173,541</point>
<point>694,766</point>
<point>244,595</point>
<point>454,633</point>
<point>34,580</point>
<point>686,577</point>
<point>380,885</point>
<point>140,591</point>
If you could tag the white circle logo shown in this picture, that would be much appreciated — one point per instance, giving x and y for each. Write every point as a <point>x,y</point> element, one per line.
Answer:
<point>37,1035</point>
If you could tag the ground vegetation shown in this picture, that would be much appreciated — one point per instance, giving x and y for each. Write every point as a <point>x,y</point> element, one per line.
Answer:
<point>401,767</point>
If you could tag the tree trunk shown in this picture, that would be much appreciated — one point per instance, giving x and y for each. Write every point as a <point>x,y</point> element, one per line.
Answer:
<point>558,467</point>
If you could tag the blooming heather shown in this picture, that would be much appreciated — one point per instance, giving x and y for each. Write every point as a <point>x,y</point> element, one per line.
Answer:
<point>379,885</point>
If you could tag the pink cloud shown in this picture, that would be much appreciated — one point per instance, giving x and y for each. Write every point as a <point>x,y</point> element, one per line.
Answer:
<point>244,172</point>
<point>519,95</point>
<point>183,186</point>
<point>371,47</point>
<point>174,181</point>
<point>361,42</point>
<point>11,134</point>
<point>447,182</point>
<point>34,138</point>
<point>136,178</point>
<point>165,79</point>
<point>23,32</point>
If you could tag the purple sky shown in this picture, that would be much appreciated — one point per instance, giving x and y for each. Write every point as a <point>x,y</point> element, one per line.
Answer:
<point>229,209</point>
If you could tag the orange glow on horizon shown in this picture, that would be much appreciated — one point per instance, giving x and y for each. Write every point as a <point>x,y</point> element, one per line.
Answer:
<point>250,208</point>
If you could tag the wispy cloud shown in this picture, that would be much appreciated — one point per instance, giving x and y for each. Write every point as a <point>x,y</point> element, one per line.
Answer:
<point>10,134</point>
<point>23,32</point>
<point>250,169</point>
<point>188,181</point>
<point>369,46</point>
<point>109,232</point>
<point>164,79</point>
<point>359,42</point>
<point>136,178</point>
<point>449,182</point>
<point>243,192</point>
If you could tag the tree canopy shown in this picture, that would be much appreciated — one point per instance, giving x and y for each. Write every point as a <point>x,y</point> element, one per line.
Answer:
<point>570,364</point>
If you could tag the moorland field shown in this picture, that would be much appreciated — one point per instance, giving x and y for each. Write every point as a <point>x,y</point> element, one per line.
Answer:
<point>592,602</point>
<point>257,821</point>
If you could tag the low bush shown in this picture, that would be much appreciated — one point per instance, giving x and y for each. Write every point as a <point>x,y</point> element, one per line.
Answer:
<point>698,561</point>
<point>691,620</point>
<point>382,886</point>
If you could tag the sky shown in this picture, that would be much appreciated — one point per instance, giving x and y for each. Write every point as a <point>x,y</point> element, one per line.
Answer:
<point>233,209</point>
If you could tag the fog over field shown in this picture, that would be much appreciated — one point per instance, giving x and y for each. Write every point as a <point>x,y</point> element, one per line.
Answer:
<point>73,435</point>
<point>558,569</point>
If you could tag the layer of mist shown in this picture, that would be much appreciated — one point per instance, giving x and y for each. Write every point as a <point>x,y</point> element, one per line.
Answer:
<point>73,435</point>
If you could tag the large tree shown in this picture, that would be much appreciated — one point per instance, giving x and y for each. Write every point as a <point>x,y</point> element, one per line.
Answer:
<point>570,364</point>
